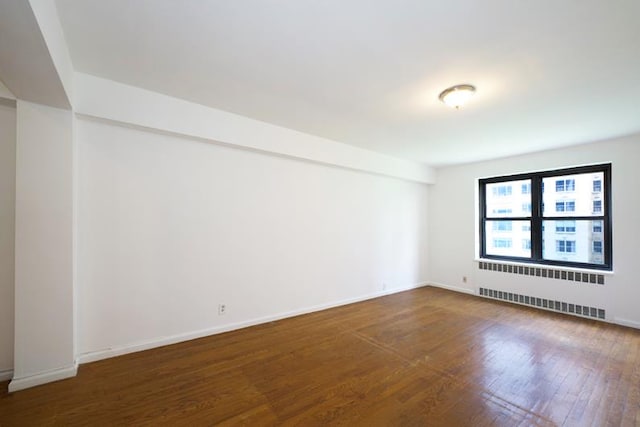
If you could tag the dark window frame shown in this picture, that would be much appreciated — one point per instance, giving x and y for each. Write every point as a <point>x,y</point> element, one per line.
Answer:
<point>537,216</point>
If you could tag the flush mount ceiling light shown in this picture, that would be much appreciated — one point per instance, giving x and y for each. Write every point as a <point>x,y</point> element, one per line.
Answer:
<point>457,95</point>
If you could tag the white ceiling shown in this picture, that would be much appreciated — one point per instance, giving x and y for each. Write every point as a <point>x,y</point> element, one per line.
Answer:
<point>26,66</point>
<point>368,72</point>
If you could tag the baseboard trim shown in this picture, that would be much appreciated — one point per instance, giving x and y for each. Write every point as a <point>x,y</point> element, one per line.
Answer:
<point>452,288</point>
<point>42,378</point>
<point>627,322</point>
<point>174,339</point>
<point>6,374</point>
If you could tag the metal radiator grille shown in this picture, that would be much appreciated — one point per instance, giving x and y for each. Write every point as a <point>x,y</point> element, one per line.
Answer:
<point>550,273</point>
<point>561,306</point>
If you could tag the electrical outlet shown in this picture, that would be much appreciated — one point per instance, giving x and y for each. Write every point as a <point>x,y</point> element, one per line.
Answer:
<point>222,309</point>
<point>384,286</point>
<point>464,279</point>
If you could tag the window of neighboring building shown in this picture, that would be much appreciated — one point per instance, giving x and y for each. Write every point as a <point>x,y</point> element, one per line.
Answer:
<point>502,243</point>
<point>597,206</point>
<point>597,247</point>
<point>511,216</point>
<point>502,211</point>
<point>566,206</point>
<point>565,226</point>
<point>597,186</point>
<point>566,246</point>
<point>565,185</point>
<point>502,226</point>
<point>502,190</point>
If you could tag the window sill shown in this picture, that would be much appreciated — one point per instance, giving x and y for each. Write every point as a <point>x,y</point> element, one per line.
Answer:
<point>548,267</point>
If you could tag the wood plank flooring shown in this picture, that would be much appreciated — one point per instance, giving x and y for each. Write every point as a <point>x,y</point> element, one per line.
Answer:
<point>426,357</point>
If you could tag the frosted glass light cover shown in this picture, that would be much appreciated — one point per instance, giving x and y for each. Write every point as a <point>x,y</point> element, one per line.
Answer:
<point>457,96</point>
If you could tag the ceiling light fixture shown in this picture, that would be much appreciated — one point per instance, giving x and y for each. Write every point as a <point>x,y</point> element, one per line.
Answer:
<point>457,95</point>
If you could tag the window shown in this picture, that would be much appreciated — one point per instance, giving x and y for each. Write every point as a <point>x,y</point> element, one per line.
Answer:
<point>502,190</point>
<point>502,211</point>
<point>597,186</point>
<point>597,247</point>
<point>504,231</point>
<point>502,243</point>
<point>502,226</point>
<point>568,246</point>
<point>566,206</point>
<point>565,185</point>
<point>572,232</point>
<point>597,206</point>
<point>565,226</point>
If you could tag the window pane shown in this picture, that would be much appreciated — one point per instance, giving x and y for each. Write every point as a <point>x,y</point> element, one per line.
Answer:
<point>573,240</point>
<point>511,198</point>
<point>573,195</point>
<point>508,238</point>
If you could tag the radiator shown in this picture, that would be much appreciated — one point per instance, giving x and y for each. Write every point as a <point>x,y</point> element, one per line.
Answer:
<point>560,306</point>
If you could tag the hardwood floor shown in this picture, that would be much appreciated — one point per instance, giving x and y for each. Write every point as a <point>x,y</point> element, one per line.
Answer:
<point>423,357</point>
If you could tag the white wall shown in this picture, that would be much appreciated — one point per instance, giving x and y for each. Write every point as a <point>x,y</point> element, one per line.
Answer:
<point>452,229</point>
<point>170,227</point>
<point>44,304</point>
<point>7,232</point>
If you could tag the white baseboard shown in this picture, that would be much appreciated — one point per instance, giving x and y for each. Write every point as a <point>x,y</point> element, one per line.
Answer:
<point>174,339</point>
<point>452,288</point>
<point>626,322</point>
<point>6,374</point>
<point>42,378</point>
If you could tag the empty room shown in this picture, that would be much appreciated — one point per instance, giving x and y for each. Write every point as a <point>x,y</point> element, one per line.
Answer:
<point>305,212</point>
